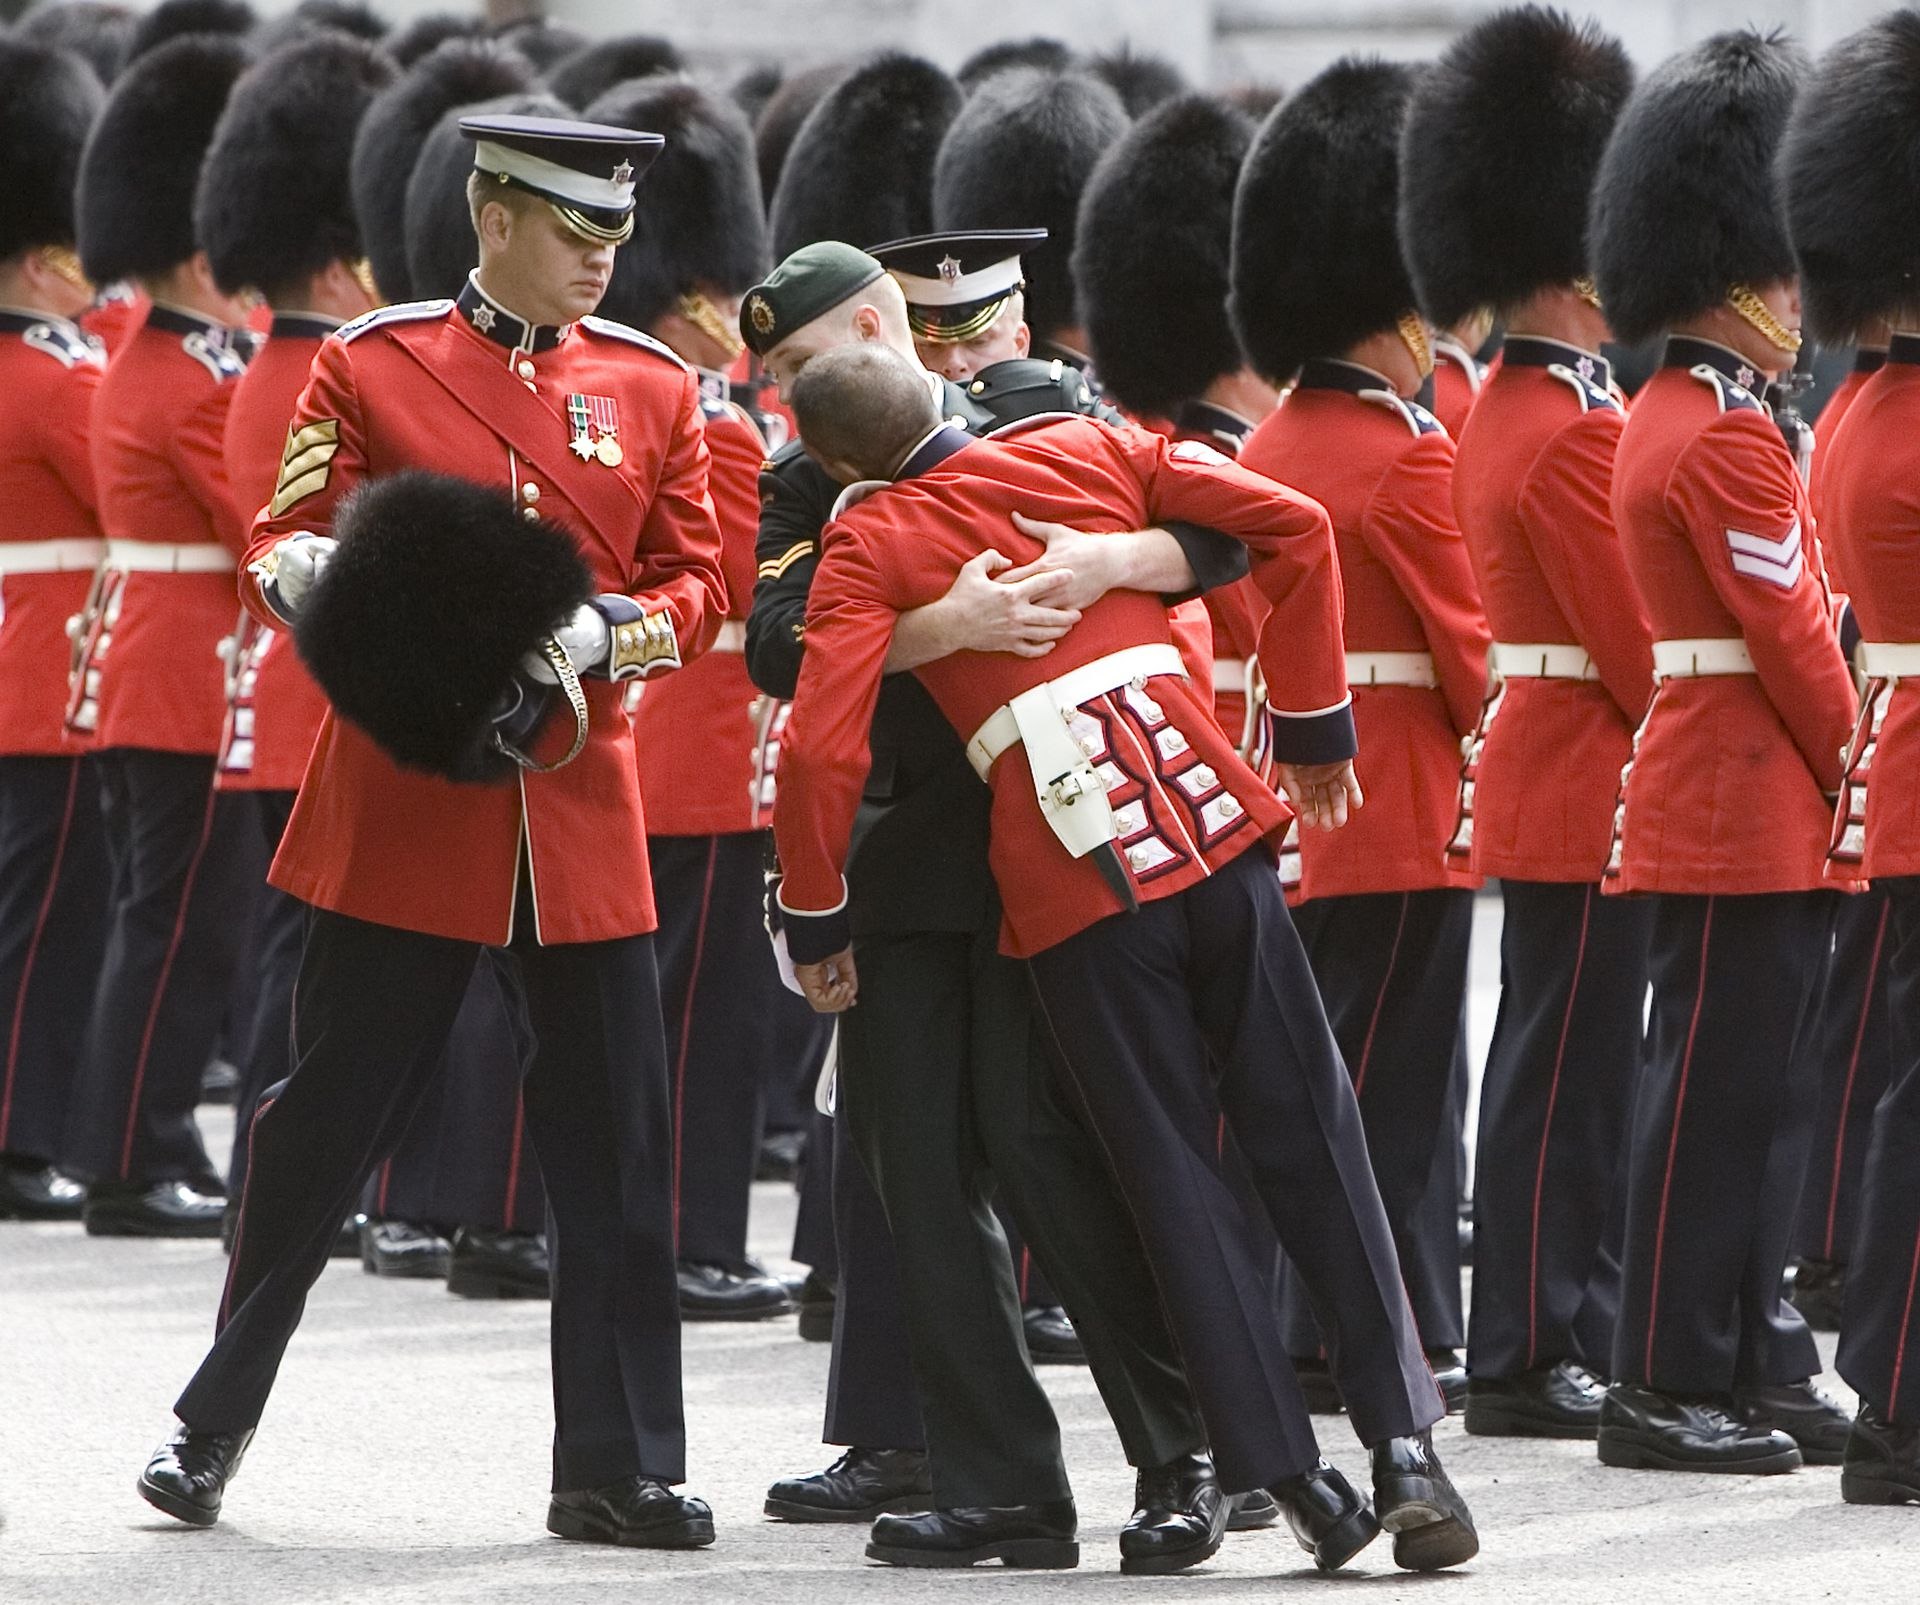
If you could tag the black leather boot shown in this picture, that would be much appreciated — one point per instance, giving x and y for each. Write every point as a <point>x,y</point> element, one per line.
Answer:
<point>1035,1537</point>
<point>1327,1516</point>
<point>1179,1517</point>
<point>635,1512</point>
<point>860,1485</point>
<point>1882,1466</point>
<point>1645,1430</point>
<point>1550,1401</point>
<point>1416,1501</point>
<point>188,1474</point>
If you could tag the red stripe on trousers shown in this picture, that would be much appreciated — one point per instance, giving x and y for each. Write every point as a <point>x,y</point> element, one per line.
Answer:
<point>240,1221</point>
<point>1546,1134</point>
<point>33,952</point>
<point>1373,1024</point>
<point>1906,1326</point>
<point>686,1029</point>
<point>513,1158</point>
<point>1853,1068</point>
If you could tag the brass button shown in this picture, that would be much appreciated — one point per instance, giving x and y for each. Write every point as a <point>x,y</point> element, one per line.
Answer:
<point>530,492</point>
<point>529,514</point>
<point>526,370</point>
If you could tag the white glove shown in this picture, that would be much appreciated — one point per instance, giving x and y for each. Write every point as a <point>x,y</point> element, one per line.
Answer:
<point>586,638</point>
<point>299,560</point>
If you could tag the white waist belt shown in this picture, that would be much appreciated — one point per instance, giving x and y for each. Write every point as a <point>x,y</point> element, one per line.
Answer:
<point>1230,672</point>
<point>1391,668</point>
<point>163,557</point>
<point>50,557</point>
<point>732,637</point>
<point>1878,660</point>
<point>1685,660</point>
<point>1526,661</point>
<point>1003,728</point>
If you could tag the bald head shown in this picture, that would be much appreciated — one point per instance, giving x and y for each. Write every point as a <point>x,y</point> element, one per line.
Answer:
<point>861,409</point>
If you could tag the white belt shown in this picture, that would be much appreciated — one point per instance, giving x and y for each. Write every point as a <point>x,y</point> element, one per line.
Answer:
<point>1003,728</point>
<point>1878,660</point>
<point>50,557</point>
<point>1685,660</point>
<point>165,557</point>
<point>1391,668</point>
<point>1230,672</point>
<point>1547,661</point>
<point>732,637</point>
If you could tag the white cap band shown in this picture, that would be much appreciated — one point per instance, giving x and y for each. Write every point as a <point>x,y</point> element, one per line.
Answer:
<point>962,288</point>
<point>552,178</point>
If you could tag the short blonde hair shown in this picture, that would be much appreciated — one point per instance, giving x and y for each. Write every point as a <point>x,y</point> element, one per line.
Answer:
<point>483,190</point>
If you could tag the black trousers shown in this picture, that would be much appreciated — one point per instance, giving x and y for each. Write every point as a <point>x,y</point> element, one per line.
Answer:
<point>187,862</point>
<point>278,934</point>
<point>1854,1045</point>
<point>373,1009</point>
<point>1392,973</point>
<point>814,1231</point>
<point>1201,1004</point>
<point>1554,1109</point>
<point>1880,1332</point>
<point>946,1091</point>
<point>53,898</point>
<point>1718,1146</point>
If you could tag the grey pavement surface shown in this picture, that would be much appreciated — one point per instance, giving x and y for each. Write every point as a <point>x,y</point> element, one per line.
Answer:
<point>404,1458</point>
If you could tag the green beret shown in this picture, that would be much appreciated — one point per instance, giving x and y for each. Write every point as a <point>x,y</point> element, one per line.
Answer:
<point>813,280</point>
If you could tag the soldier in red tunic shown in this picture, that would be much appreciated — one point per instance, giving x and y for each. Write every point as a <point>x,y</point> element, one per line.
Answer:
<point>53,865</point>
<point>1851,158</point>
<point>1727,801</point>
<point>1319,290</point>
<point>1501,147</point>
<point>592,430</point>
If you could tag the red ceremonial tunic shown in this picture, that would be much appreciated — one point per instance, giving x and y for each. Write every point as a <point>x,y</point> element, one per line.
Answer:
<point>418,386</point>
<point>1382,468</point>
<point>274,708</point>
<point>1531,480</point>
<point>116,313</point>
<point>1725,791</point>
<point>1234,612</point>
<point>49,531</point>
<point>159,430</point>
<point>1458,380</point>
<point>1866,363</point>
<point>1184,802</point>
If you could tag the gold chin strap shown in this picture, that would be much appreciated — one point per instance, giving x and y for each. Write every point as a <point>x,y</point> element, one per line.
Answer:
<point>1589,292</point>
<point>1753,310</point>
<point>362,271</point>
<point>705,317</point>
<point>65,263</point>
<point>1413,333</point>
<point>954,334</point>
<point>587,229</point>
<point>569,679</point>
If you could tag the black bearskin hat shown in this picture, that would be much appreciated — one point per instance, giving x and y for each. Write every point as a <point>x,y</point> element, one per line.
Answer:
<point>459,73</point>
<point>313,17</point>
<point>48,100</point>
<point>1150,265</point>
<point>442,248</point>
<point>1141,82</point>
<point>274,205</point>
<point>778,121</point>
<point>1850,168</point>
<point>1018,156</point>
<point>1686,205</point>
<point>699,219</point>
<point>1316,261</point>
<point>587,74</point>
<point>414,40</point>
<point>860,169</point>
<point>427,681</point>
<point>754,88</point>
<point>1498,159</point>
<point>545,44</point>
<point>1049,55</point>
<point>137,175</point>
<point>95,32</point>
<point>173,19</point>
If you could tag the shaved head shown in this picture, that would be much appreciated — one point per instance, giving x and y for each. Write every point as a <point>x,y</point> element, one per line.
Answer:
<point>862,408</point>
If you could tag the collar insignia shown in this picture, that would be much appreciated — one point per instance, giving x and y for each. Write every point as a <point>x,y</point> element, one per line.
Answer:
<point>483,318</point>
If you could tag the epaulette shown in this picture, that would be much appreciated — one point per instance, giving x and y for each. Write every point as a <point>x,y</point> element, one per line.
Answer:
<point>1591,395</point>
<point>610,330</point>
<point>1033,420</point>
<point>220,359</point>
<point>399,312</point>
<point>1023,375</point>
<point>65,344</point>
<point>1733,397</point>
<point>1412,414</point>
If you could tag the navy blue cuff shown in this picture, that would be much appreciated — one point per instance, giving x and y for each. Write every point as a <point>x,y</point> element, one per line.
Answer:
<point>1314,738</point>
<point>1849,632</point>
<point>814,937</point>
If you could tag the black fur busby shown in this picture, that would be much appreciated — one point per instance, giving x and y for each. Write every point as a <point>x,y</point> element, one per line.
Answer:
<point>313,17</point>
<point>1150,263</point>
<point>699,220</point>
<point>1048,55</point>
<point>1141,82</point>
<point>1686,205</point>
<point>274,205</point>
<point>137,174</point>
<point>861,167</point>
<point>442,248</point>
<point>587,74</point>
<point>1316,262</point>
<point>48,100</point>
<point>172,19</point>
<point>95,32</point>
<point>1850,168</point>
<point>754,88</point>
<point>778,121</point>
<point>1498,159</point>
<point>460,72</point>
<point>545,44</point>
<point>415,628</point>
<point>413,40</point>
<point>1018,156</point>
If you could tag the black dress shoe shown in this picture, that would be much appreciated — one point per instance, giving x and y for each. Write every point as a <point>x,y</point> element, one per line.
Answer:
<point>30,1190</point>
<point>1034,1537</point>
<point>815,1299</point>
<point>1316,1382</point>
<point>1051,1339</point>
<point>1450,1377</point>
<point>1818,1292</point>
<point>188,1474</point>
<point>1882,1466</point>
<point>711,1292</point>
<point>1805,1414</point>
<point>781,1153</point>
<point>1179,1517</point>
<point>490,1264</point>
<point>860,1485</point>
<point>1550,1401</point>
<point>1645,1430</point>
<point>1327,1516</point>
<point>635,1512</point>
<point>404,1248</point>
<point>1416,1501</point>
<point>151,1209</point>
<point>1250,1511</point>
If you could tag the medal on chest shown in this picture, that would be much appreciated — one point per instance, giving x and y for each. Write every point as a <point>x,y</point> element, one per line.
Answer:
<point>595,425</point>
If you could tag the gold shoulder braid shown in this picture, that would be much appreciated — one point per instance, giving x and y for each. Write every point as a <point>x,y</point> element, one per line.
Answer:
<point>569,677</point>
